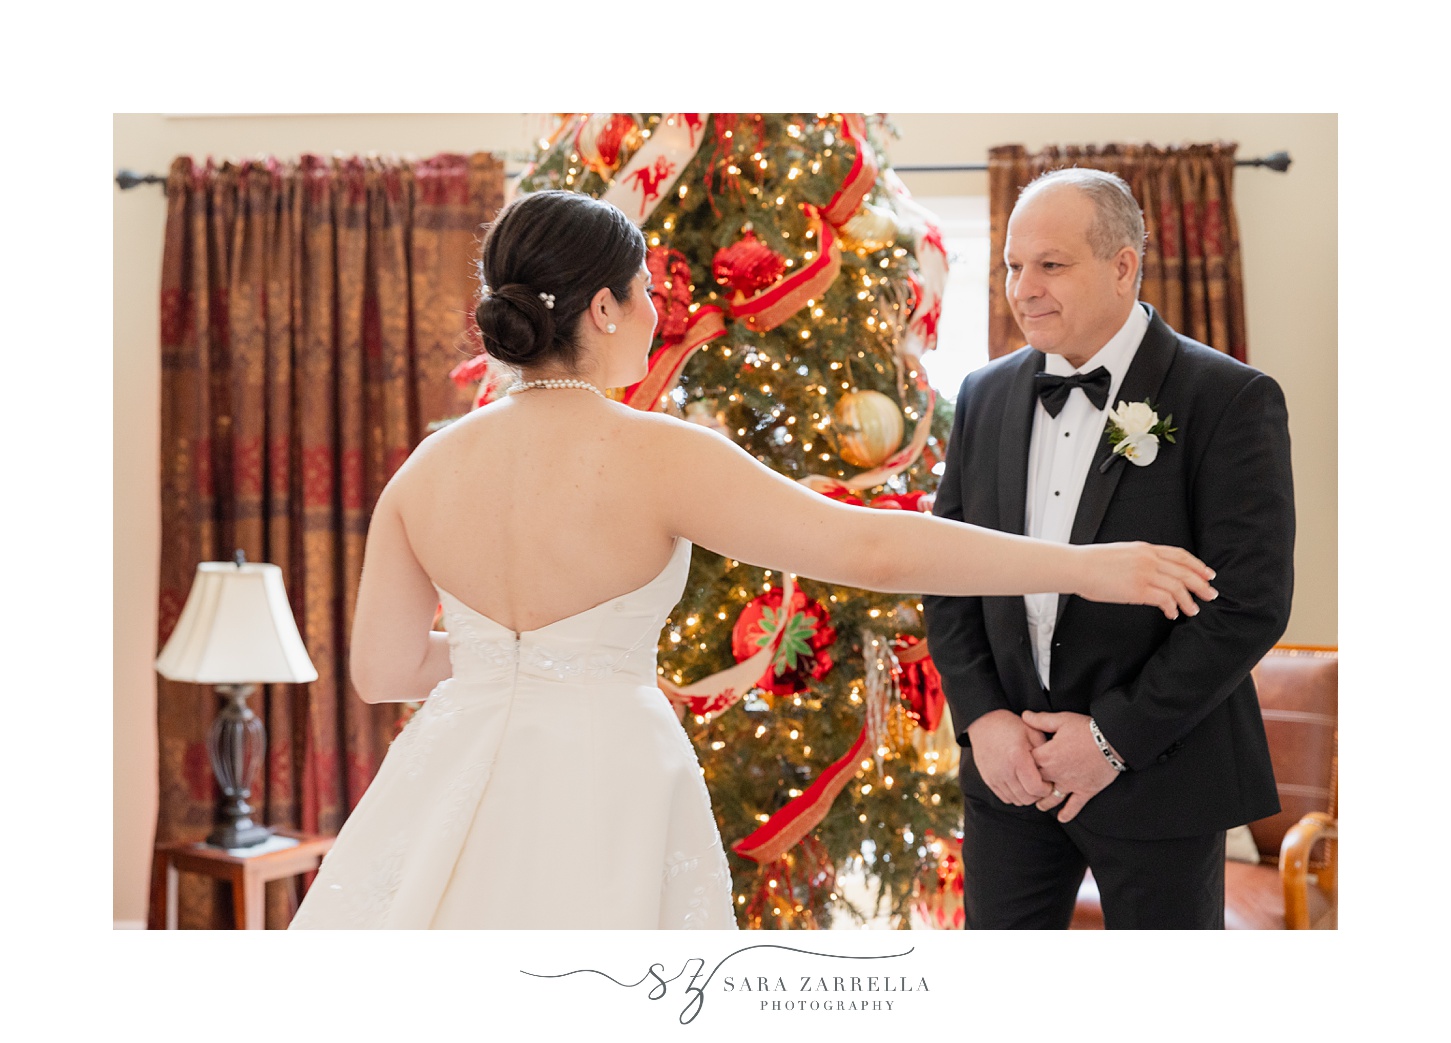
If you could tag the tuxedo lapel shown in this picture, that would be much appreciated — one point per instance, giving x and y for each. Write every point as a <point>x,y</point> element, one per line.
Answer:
<point>1008,617</point>
<point>1145,376</point>
<point>1013,447</point>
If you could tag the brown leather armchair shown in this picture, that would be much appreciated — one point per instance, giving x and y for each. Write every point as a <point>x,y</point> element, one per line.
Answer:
<point>1294,884</point>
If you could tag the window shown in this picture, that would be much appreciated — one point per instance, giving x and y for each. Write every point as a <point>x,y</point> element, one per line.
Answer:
<point>962,332</point>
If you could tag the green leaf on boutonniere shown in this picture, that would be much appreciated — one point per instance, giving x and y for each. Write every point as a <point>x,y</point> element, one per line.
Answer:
<point>1132,428</point>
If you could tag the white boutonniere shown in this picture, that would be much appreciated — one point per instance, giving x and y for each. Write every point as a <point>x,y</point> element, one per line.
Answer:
<point>1134,430</point>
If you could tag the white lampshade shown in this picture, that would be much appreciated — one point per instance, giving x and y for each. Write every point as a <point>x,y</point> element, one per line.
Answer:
<point>236,628</point>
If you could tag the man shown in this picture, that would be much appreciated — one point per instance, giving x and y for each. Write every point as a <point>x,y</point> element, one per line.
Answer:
<point>1108,736</point>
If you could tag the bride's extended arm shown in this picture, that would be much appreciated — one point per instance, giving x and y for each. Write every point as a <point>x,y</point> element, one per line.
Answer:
<point>394,656</point>
<point>719,497</point>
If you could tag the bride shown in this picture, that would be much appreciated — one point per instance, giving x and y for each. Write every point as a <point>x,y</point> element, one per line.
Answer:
<point>545,781</point>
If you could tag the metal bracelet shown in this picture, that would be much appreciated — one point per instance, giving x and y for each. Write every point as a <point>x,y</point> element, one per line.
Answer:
<point>1104,748</point>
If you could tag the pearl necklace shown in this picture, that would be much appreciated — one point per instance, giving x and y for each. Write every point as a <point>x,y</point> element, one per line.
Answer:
<point>553,385</point>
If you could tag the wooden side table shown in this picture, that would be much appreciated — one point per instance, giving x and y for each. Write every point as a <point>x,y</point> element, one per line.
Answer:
<point>246,873</point>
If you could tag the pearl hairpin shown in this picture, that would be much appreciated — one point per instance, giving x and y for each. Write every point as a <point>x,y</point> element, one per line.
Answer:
<point>548,299</point>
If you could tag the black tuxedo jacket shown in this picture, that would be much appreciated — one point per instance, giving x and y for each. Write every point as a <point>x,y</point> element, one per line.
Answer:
<point>1174,698</point>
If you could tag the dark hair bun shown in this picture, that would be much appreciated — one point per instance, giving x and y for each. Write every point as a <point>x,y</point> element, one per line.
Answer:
<point>566,244</point>
<point>517,326</point>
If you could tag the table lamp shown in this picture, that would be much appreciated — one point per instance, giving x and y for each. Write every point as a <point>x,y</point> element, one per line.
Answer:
<point>236,631</point>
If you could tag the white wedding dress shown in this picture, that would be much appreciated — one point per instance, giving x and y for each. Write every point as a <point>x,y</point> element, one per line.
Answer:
<point>546,784</point>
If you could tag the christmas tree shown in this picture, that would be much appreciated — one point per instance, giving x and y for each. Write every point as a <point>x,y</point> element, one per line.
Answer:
<point>798,286</point>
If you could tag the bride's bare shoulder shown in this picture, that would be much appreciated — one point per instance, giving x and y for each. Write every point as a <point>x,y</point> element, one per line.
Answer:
<point>663,440</point>
<point>660,426</point>
<point>636,436</point>
<point>438,448</point>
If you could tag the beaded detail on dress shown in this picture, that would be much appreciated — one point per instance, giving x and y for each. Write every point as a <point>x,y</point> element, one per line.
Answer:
<point>364,901</point>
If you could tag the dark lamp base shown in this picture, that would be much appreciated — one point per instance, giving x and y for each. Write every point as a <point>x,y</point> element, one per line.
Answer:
<point>230,836</point>
<point>237,743</point>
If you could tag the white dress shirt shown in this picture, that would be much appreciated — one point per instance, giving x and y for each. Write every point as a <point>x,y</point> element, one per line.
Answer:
<point>1059,457</point>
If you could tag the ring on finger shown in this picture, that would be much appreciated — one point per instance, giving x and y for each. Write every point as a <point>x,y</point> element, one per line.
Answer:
<point>1057,792</point>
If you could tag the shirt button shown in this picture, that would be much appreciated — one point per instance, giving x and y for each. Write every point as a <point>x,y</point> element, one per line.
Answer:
<point>1057,493</point>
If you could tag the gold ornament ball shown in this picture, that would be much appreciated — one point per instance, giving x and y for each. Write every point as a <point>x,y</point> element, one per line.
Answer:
<point>937,747</point>
<point>871,228</point>
<point>868,427</point>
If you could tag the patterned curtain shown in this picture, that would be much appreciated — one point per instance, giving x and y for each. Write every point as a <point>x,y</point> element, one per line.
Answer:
<point>310,314</point>
<point>1191,263</point>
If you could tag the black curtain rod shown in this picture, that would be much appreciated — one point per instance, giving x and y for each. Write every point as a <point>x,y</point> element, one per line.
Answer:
<point>1274,161</point>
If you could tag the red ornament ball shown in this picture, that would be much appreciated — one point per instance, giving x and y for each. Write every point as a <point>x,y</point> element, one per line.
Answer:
<point>747,266</point>
<point>801,654</point>
<point>920,686</point>
<point>603,136</point>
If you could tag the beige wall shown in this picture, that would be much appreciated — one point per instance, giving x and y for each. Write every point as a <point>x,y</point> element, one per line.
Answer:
<point>1287,225</point>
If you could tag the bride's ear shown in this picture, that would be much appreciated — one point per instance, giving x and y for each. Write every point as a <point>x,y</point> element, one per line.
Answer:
<point>602,308</point>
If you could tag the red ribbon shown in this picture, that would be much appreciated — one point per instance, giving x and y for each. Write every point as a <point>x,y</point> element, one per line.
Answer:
<point>801,815</point>
<point>859,179</point>
<point>705,325</point>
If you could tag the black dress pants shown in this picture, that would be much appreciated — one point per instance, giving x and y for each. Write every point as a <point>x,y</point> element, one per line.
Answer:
<point>1022,869</point>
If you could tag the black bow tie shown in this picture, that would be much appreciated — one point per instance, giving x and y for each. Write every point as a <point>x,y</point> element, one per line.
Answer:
<point>1054,390</point>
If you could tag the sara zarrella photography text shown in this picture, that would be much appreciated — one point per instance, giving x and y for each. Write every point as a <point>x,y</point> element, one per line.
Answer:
<point>840,983</point>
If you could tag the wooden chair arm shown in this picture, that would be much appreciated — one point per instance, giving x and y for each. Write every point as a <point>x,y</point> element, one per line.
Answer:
<point>1295,850</point>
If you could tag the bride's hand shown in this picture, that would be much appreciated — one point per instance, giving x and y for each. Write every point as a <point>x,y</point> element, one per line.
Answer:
<point>1146,574</point>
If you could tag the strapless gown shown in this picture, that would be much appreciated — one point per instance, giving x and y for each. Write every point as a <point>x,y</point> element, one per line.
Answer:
<point>546,784</point>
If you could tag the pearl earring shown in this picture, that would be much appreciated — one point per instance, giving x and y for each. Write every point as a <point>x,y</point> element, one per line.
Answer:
<point>610,328</point>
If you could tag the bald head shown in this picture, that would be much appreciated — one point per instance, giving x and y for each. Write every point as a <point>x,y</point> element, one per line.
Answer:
<point>1117,220</point>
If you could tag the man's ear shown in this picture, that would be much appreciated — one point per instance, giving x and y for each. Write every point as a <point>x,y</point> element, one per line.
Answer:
<point>1126,263</point>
